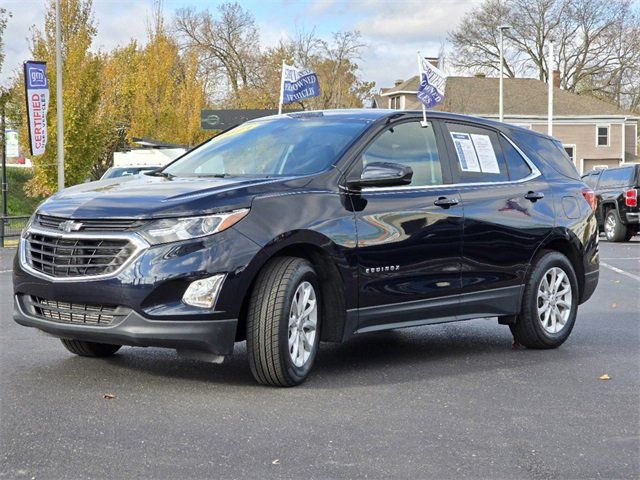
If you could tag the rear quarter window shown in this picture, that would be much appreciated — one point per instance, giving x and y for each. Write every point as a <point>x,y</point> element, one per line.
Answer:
<point>550,151</point>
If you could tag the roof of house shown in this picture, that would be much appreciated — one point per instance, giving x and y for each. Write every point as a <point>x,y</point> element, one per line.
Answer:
<point>522,96</point>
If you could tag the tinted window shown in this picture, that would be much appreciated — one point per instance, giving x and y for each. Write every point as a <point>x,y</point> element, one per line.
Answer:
<point>518,167</point>
<point>552,153</point>
<point>478,154</point>
<point>412,145</point>
<point>289,145</point>
<point>616,177</point>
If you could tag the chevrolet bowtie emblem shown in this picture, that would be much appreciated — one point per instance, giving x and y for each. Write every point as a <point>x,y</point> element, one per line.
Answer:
<point>69,226</point>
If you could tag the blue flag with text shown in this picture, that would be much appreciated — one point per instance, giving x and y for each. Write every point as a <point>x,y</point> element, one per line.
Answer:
<point>432,84</point>
<point>298,84</point>
<point>37,89</point>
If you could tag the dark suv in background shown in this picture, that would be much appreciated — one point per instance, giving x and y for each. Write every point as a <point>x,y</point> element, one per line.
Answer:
<point>293,229</point>
<point>617,200</point>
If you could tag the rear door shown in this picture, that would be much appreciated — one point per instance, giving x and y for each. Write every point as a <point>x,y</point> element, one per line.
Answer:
<point>409,237</point>
<point>508,212</point>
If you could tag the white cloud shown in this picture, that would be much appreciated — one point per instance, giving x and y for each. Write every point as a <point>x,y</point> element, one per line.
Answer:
<point>415,21</point>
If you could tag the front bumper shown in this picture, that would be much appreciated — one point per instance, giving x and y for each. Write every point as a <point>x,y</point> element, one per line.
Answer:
<point>211,336</point>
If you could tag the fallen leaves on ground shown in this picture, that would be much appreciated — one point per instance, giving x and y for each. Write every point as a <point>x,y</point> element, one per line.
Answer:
<point>276,462</point>
<point>109,396</point>
<point>604,377</point>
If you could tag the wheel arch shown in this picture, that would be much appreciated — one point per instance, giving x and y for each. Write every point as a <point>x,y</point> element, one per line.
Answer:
<point>567,243</point>
<point>325,256</point>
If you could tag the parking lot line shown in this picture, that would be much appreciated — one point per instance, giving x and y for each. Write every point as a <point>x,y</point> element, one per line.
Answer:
<point>6,271</point>
<point>620,271</point>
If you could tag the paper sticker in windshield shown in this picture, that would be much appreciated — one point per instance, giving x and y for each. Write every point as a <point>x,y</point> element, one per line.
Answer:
<point>466,152</point>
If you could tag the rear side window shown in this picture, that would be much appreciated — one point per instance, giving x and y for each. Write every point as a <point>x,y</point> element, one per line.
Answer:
<point>412,145</point>
<point>617,177</point>
<point>478,154</point>
<point>518,167</point>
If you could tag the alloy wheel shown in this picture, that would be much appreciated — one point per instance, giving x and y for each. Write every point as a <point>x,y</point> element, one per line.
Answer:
<point>303,322</point>
<point>554,300</point>
<point>610,226</point>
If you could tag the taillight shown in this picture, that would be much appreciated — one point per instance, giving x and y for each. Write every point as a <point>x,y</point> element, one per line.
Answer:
<point>631,198</point>
<point>590,197</point>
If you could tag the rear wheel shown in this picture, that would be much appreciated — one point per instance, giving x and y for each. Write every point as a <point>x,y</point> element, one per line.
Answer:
<point>614,229</point>
<point>90,349</point>
<point>550,303</point>
<point>283,322</point>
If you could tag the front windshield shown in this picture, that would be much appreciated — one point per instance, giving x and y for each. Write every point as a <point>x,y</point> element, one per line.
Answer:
<point>289,145</point>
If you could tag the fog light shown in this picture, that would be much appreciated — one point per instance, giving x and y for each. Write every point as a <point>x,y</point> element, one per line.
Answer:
<point>204,293</point>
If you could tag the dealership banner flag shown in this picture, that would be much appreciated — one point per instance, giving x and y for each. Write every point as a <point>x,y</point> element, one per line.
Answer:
<point>432,83</point>
<point>297,84</point>
<point>37,91</point>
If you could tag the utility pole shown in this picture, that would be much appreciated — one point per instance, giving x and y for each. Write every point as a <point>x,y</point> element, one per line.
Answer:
<point>550,95</point>
<point>59,112</point>
<point>502,29</point>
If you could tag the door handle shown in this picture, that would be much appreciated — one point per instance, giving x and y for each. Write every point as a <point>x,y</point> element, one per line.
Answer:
<point>445,202</point>
<point>534,196</point>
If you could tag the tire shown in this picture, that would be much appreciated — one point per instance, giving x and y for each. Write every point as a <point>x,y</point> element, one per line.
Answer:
<point>90,349</point>
<point>614,229</point>
<point>272,306</point>
<point>534,327</point>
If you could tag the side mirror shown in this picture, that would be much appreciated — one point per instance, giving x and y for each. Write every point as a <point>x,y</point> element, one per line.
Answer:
<point>382,174</point>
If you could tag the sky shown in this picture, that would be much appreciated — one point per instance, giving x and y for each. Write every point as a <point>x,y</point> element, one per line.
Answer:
<point>394,30</point>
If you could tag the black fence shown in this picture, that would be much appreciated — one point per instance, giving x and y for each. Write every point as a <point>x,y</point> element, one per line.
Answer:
<point>11,227</point>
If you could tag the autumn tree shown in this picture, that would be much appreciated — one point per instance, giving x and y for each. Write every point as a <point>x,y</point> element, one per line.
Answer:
<point>82,69</point>
<point>226,42</point>
<point>4,17</point>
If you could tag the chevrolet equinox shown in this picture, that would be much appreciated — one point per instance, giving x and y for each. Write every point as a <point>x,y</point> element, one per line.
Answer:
<point>316,226</point>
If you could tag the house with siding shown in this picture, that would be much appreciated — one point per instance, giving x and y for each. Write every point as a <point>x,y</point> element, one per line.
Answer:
<point>595,134</point>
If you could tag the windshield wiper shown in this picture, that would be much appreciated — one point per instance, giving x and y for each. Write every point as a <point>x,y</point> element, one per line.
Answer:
<point>215,175</point>
<point>160,173</point>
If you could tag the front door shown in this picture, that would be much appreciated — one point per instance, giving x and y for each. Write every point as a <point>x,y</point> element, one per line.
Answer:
<point>409,237</point>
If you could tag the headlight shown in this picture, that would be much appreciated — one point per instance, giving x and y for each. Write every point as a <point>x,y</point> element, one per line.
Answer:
<point>23,234</point>
<point>175,229</point>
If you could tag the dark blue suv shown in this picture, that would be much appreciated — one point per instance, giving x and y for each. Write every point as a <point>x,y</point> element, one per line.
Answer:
<point>291,230</point>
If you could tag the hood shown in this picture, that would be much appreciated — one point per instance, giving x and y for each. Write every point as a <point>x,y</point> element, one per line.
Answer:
<point>143,196</point>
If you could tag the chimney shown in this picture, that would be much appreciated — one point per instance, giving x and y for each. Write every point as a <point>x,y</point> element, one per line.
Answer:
<point>435,61</point>
<point>556,79</point>
<point>480,75</point>
<point>397,82</point>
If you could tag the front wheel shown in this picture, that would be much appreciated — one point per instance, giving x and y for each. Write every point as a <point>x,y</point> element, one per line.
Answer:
<point>283,322</point>
<point>550,303</point>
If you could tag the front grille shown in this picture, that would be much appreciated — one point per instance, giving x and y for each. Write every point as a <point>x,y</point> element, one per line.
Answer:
<point>91,225</point>
<point>76,313</point>
<point>73,257</point>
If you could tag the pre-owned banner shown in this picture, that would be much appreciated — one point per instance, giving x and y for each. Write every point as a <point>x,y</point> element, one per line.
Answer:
<point>37,91</point>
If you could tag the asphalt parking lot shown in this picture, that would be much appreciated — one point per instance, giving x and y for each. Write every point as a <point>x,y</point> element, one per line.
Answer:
<point>447,401</point>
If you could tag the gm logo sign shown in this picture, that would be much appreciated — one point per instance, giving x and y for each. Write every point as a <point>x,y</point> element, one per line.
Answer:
<point>37,76</point>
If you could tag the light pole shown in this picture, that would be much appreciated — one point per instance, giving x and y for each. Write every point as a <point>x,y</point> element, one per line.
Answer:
<point>550,69</point>
<point>59,112</point>
<point>502,29</point>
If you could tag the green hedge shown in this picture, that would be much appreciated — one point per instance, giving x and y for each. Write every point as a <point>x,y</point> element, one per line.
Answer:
<point>17,201</point>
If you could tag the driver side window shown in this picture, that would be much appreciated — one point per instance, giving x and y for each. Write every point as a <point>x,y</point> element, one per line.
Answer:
<point>412,145</point>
